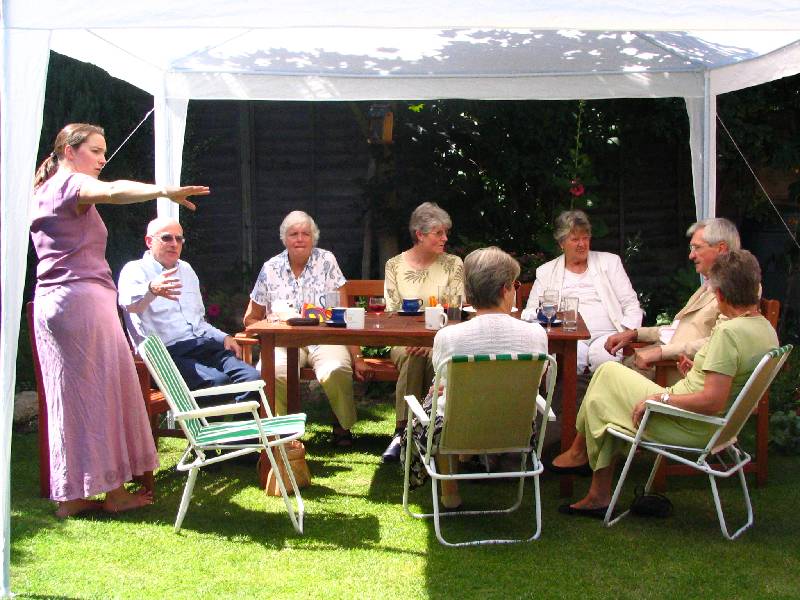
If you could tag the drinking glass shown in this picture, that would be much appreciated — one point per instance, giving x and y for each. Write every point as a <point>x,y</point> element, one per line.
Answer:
<point>450,300</point>
<point>569,310</point>
<point>271,307</point>
<point>376,304</point>
<point>549,309</point>
<point>550,295</point>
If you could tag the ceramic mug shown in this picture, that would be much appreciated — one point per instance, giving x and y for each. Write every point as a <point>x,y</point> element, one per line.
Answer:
<point>355,318</point>
<point>337,314</point>
<point>411,305</point>
<point>435,317</point>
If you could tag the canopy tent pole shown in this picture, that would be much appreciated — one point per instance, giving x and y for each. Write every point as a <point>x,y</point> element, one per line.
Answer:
<point>25,54</point>
<point>703,145</point>
<point>170,128</point>
<point>709,204</point>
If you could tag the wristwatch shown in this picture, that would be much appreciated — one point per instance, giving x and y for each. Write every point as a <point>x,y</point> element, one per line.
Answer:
<point>665,398</point>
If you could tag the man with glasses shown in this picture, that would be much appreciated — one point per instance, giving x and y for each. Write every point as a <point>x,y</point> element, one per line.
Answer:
<point>693,324</point>
<point>161,295</point>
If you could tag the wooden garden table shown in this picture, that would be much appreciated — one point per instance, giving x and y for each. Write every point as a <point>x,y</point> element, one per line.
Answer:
<point>396,330</point>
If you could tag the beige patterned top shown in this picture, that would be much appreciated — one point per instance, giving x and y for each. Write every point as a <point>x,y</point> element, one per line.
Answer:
<point>403,281</point>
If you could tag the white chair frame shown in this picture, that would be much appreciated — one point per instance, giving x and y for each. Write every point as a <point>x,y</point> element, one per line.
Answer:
<point>428,457</point>
<point>723,439</point>
<point>237,438</point>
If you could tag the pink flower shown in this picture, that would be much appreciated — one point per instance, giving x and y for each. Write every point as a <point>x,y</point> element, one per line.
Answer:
<point>214,310</point>
<point>576,188</point>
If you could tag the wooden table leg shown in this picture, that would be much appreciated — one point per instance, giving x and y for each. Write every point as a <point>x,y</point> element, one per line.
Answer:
<point>569,401</point>
<point>292,382</point>
<point>268,375</point>
<point>268,369</point>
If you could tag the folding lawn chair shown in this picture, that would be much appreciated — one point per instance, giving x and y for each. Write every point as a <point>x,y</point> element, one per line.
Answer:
<point>236,438</point>
<point>724,438</point>
<point>491,406</point>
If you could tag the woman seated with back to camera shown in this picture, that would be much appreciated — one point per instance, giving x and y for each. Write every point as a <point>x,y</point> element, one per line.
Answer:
<point>490,283</point>
<point>616,395</point>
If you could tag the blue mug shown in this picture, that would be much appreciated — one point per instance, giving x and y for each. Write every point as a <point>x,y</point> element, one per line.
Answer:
<point>411,305</point>
<point>337,314</point>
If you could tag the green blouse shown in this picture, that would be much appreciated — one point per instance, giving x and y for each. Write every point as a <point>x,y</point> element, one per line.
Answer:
<point>734,349</point>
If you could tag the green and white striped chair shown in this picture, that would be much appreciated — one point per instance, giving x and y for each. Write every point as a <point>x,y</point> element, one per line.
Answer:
<point>491,404</point>
<point>724,439</point>
<point>235,437</point>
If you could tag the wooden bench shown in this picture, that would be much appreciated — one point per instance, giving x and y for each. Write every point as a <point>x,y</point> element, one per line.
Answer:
<point>383,368</point>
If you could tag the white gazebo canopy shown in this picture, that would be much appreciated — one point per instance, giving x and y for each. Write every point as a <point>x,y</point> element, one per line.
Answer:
<point>316,50</point>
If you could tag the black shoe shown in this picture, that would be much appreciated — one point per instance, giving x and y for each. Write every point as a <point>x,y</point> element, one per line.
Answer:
<point>594,513</point>
<point>583,470</point>
<point>392,452</point>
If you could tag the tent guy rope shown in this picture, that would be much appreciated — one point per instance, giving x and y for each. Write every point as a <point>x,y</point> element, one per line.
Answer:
<point>758,181</point>
<point>130,135</point>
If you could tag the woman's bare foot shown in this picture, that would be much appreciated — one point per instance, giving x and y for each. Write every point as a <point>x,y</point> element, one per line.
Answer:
<point>589,502</point>
<point>120,499</point>
<point>571,458</point>
<point>451,501</point>
<point>70,508</point>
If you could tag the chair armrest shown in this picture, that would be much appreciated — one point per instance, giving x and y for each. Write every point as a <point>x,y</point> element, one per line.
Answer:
<point>245,340</point>
<point>541,404</point>
<point>247,344</point>
<point>218,411</point>
<point>416,408</point>
<point>674,411</point>
<point>665,362</point>
<point>233,388</point>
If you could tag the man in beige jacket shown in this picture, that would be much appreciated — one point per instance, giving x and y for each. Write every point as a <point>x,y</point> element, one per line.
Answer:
<point>693,324</point>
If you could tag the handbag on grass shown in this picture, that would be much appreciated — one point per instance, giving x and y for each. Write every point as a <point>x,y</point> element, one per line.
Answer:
<point>296,453</point>
<point>650,505</point>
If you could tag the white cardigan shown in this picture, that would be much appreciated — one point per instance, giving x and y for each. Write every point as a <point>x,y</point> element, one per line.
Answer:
<point>610,280</point>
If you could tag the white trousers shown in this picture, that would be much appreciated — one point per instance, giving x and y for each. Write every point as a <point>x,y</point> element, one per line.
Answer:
<point>334,371</point>
<point>592,352</point>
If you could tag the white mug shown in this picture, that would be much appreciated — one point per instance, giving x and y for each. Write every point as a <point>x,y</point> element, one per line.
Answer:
<point>435,317</point>
<point>355,318</point>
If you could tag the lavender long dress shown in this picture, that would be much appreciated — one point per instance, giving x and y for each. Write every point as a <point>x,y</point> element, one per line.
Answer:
<point>97,423</point>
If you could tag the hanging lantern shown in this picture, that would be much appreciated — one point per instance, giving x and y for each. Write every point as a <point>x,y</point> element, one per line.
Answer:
<point>381,121</point>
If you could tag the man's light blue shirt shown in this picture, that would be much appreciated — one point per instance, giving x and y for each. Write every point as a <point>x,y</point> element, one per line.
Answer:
<point>172,320</point>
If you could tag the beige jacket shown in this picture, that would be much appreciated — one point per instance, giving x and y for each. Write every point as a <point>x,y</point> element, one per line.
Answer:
<point>696,320</point>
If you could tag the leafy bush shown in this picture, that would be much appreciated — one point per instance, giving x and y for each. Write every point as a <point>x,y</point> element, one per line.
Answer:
<point>785,400</point>
<point>784,432</point>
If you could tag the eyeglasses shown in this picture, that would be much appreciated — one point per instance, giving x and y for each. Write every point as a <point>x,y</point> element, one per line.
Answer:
<point>168,238</point>
<point>697,247</point>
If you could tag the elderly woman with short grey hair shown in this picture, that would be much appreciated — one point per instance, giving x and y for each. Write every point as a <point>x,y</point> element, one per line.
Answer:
<point>304,272</point>
<point>490,278</point>
<point>606,299</point>
<point>418,272</point>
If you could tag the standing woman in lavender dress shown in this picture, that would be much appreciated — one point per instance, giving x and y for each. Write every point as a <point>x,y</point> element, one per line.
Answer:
<point>98,427</point>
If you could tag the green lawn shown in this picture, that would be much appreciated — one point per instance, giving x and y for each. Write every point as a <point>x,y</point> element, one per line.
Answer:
<point>358,542</point>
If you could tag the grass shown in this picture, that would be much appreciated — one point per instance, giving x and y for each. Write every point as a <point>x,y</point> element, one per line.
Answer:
<point>358,542</point>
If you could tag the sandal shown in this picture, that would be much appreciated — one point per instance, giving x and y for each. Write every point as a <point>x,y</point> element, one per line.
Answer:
<point>342,438</point>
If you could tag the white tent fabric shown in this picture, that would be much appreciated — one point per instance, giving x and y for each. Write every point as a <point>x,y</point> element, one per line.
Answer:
<point>313,50</point>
